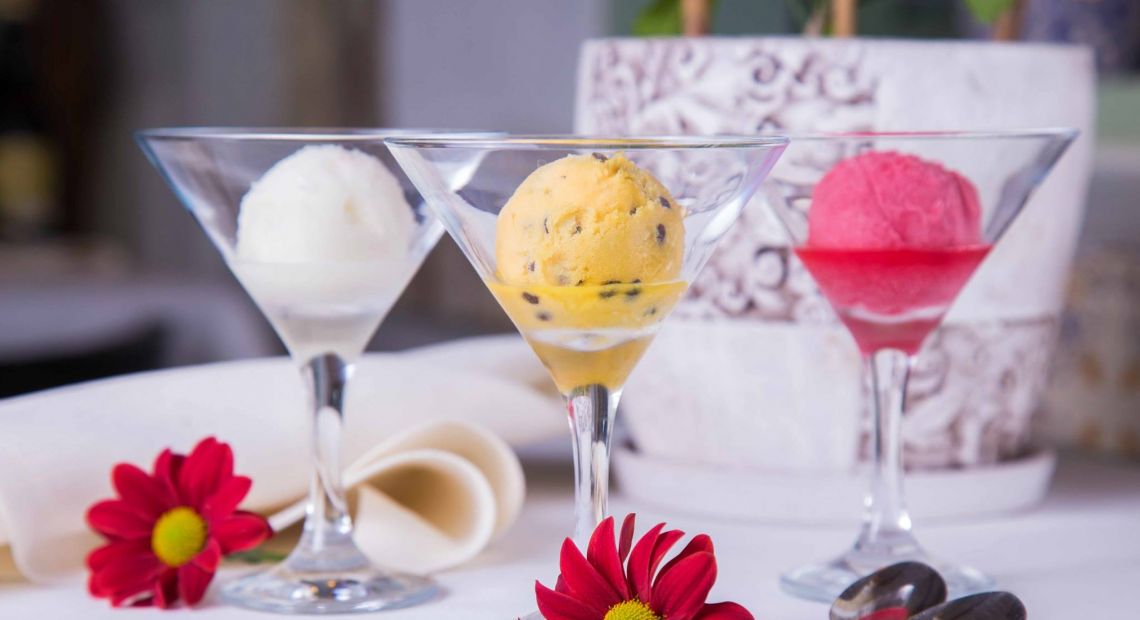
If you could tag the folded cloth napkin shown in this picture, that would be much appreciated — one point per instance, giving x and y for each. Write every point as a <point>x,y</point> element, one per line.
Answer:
<point>427,438</point>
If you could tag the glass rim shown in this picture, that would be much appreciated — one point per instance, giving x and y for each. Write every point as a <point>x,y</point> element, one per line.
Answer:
<point>933,134</point>
<point>299,134</point>
<point>585,142</point>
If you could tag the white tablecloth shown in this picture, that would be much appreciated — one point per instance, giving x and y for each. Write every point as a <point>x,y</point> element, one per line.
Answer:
<point>1076,556</point>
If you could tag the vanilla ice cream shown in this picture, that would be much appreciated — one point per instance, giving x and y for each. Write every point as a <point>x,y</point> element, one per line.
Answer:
<point>323,246</point>
<point>322,204</point>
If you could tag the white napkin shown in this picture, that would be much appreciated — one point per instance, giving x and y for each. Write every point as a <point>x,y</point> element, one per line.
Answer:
<point>408,414</point>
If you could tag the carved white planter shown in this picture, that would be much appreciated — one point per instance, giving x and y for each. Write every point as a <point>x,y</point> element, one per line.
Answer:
<point>753,370</point>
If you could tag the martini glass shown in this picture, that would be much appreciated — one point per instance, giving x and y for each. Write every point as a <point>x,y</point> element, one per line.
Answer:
<point>891,295</point>
<point>590,335</point>
<point>329,256</point>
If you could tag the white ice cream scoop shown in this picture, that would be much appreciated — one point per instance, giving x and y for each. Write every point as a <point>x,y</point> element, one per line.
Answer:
<point>325,203</point>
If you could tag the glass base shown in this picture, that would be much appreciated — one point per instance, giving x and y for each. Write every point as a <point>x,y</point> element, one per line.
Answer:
<point>825,582</point>
<point>284,591</point>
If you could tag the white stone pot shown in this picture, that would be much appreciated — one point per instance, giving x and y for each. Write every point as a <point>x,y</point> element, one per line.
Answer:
<point>753,370</point>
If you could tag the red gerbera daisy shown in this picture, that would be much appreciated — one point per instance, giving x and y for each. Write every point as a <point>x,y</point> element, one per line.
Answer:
<point>597,587</point>
<point>167,532</point>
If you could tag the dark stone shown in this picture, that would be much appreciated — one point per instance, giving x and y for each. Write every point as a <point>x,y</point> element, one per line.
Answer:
<point>984,606</point>
<point>912,585</point>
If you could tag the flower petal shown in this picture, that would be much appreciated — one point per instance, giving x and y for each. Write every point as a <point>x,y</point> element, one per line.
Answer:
<point>699,543</point>
<point>681,592</point>
<point>226,497</point>
<point>626,536</point>
<point>585,583</point>
<point>560,586</point>
<point>167,469</point>
<point>209,557</point>
<point>637,571</point>
<point>557,606</point>
<point>115,518</point>
<point>137,594</point>
<point>664,543</point>
<point>242,531</point>
<point>117,550</point>
<point>195,576</point>
<point>726,611</point>
<point>124,576</point>
<point>166,589</point>
<point>649,559</point>
<point>208,465</point>
<point>603,555</point>
<point>139,489</point>
<point>192,583</point>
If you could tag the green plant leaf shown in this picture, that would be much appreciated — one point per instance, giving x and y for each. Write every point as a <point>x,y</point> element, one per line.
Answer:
<point>258,555</point>
<point>659,18</point>
<point>988,11</point>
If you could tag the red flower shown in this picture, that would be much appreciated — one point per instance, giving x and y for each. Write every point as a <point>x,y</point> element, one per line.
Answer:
<point>597,587</point>
<point>167,532</point>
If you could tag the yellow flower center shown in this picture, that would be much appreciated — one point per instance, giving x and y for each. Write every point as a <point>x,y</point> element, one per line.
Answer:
<point>631,610</point>
<point>178,536</point>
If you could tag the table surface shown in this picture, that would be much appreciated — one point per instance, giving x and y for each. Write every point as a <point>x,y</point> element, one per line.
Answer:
<point>1077,555</point>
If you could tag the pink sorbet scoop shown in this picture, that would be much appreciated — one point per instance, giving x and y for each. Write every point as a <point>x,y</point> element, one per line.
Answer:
<point>888,200</point>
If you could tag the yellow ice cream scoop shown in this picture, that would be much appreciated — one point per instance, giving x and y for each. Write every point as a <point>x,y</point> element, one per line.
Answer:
<point>590,220</point>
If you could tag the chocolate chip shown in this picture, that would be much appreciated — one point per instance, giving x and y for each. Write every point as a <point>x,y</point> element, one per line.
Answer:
<point>545,227</point>
<point>664,202</point>
<point>600,157</point>
<point>637,280</point>
<point>609,282</point>
<point>530,266</point>
<point>651,311</point>
<point>577,229</point>
<point>606,294</point>
<point>660,234</point>
<point>633,292</point>
<point>530,299</point>
<point>580,283</point>
<point>633,211</point>
<point>542,316</point>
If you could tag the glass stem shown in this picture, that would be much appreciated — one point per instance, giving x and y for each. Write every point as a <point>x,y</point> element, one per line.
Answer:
<point>886,524</point>
<point>326,541</point>
<point>592,410</point>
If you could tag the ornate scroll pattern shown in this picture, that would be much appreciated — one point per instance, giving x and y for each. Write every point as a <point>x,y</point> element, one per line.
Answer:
<point>978,384</point>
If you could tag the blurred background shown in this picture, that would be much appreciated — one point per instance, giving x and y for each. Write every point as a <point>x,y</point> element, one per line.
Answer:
<point>101,270</point>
